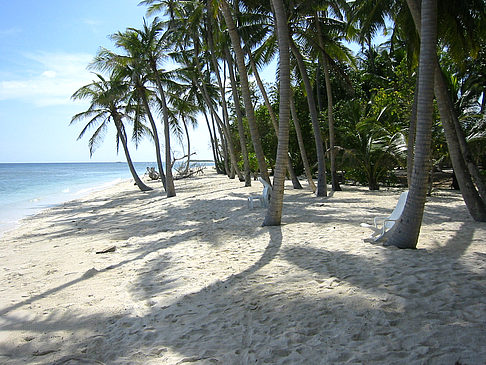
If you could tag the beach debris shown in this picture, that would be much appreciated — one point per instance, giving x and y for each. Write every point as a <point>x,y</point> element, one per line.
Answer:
<point>106,250</point>
<point>152,173</point>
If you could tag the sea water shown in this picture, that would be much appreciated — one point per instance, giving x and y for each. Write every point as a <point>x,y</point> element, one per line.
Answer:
<point>26,188</point>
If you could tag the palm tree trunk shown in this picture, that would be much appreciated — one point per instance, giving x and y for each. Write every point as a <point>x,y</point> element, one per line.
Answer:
<point>156,138</point>
<point>214,143</point>
<point>295,181</point>
<point>239,119</point>
<point>273,216</point>
<point>330,116</point>
<point>135,176</point>
<point>188,144</point>
<point>475,203</point>
<point>300,141</point>
<point>169,180</point>
<point>407,228</point>
<point>221,87</point>
<point>411,135</point>
<point>321,161</point>
<point>245,89</point>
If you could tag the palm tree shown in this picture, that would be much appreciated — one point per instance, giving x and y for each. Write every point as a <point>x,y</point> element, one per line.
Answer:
<point>132,66</point>
<point>464,168</point>
<point>153,48</point>
<point>274,212</point>
<point>461,17</point>
<point>321,169</point>
<point>407,228</point>
<point>245,88</point>
<point>107,99</point>
<point>239,118</point>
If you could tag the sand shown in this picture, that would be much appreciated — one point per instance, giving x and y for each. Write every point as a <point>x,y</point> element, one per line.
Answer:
<point>196,279</point>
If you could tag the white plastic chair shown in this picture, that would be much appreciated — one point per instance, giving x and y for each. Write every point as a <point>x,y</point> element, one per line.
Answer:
<point>264,199</point>
<point>381,225</point>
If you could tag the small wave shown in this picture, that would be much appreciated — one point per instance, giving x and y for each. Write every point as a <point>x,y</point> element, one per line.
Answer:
<point>35,200</point>
<point>67,190</point>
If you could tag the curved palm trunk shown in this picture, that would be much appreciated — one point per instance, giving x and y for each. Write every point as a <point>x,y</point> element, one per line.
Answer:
<point>245,90</point>
<point>226,142</point>
<point>225,132</point>
<point>169,180</point>
<point>156,138</point>
<point>273,216</point>
<point>239,118</point>
<point>475,204</point>
<point>135,176</point>
<point>407,228</point>
<point>213,143</point>
<point>300,141</point>
<point>290,168</point>
<point>321,161</point>
<point>221,87</point>
<point>188,144</point>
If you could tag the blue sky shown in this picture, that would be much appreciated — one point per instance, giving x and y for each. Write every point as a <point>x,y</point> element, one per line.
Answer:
<point>45,47</point>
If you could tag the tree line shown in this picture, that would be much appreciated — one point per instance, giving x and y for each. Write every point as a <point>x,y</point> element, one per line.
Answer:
<point>414,103</point>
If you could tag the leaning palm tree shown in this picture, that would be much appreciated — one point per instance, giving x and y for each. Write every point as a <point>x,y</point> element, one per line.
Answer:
<point>107,99</point>
<point>245,87</point>
<point>131,66</point>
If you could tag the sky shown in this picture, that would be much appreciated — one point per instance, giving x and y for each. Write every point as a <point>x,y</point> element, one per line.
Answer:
<point>45,47</point>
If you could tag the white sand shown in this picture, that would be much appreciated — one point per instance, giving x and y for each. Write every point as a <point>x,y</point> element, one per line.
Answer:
<point>196,279</point>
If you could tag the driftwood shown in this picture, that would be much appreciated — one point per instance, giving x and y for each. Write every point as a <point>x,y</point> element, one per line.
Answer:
<point>152,173</point>
<point>195,170</point>
<point>106,250</point>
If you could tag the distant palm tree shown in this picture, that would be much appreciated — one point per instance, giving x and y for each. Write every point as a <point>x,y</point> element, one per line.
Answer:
<point>153,50</point>
<point>107,99</point>
<point>132,66</point>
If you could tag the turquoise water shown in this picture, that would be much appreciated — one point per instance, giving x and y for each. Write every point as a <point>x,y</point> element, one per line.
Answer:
<point>26,188</point>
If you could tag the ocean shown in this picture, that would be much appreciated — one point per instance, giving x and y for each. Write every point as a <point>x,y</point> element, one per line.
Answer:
<point>27,188</point>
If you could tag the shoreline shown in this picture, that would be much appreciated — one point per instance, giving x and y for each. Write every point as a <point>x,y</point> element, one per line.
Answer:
<point>17,214</point>
<point>195,278</point>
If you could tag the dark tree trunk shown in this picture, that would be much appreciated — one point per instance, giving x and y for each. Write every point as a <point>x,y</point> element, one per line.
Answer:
<point>321,161</point>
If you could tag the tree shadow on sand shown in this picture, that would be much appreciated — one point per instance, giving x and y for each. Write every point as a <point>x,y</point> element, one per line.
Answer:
<point>355,312</point>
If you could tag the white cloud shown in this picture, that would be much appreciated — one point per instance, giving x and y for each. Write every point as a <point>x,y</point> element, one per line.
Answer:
<point>51,79</point>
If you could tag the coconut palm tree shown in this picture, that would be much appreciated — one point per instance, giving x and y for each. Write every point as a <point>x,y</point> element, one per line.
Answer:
<point>131,65</point>
<point>407,228</point>
<point>462,18</point>
<point>153,53</point>
<point>107,98</point>
<point>245,88</point>
<point>274,212</point>
<point>321,189</point>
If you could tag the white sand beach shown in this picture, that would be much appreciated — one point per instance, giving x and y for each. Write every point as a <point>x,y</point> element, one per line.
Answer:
<point>195,279</point>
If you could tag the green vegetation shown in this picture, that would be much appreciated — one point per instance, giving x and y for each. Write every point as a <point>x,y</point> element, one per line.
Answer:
<point>365,118</point>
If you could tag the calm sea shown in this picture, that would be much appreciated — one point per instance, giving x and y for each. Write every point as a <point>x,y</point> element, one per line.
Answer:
<point>26,188</point>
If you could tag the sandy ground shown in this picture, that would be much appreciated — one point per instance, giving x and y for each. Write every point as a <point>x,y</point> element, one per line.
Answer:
<point>196,279</point>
